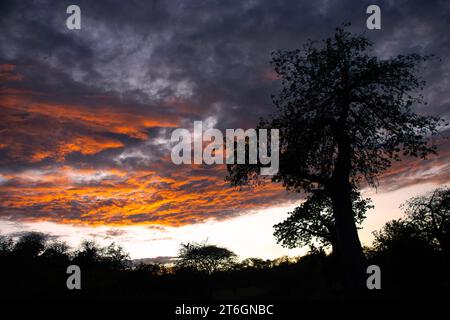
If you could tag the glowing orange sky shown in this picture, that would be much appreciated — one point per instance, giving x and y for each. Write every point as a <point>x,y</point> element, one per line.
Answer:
<point>42,134</point>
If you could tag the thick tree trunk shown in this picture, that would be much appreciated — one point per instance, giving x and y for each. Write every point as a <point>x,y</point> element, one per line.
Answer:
<point>349,246</point>
<point>334,242</point>
<point>352,256</point>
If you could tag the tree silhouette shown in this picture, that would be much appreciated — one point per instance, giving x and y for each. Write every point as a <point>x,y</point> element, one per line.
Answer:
<point>205,257</point>
<point>430,215</point>
<point>31,244</point>
<point>89,254</point>
<point>6,245</point>
<point>116,257</point>
<point>112,257</point>
<point>56,252</point>
<point>313,276</point>
<point>344,115</point>
<point>313,222</point>
<point>426,224</point>
<point>256,263</point>
<point>400,236</point>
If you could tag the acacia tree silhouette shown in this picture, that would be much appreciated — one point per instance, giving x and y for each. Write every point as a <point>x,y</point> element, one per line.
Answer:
<point>205,257</point>
<point>344,115</point>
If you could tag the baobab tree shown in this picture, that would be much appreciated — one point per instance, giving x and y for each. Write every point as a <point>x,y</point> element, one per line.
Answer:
<point>344,115</point>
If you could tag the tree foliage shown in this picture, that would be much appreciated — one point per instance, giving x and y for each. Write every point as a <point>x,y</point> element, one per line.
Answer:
<point>205,257</point>
<point>426,224</point>
<point>312,223</point>
<point>91,254</point>
<point>31,244</point>
<point>399,236</point>
<point>334,93</point>
<point>429,214</point>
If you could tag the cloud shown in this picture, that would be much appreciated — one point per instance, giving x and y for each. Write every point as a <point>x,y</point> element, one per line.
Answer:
<point>156,260</point>
<point>7,73</point>
<point>163,196</point>
<point>115,232</point>
<point>413,171</point>
<point>86,116</point>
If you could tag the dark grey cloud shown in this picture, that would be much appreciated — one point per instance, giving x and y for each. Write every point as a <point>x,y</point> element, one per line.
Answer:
<point>215,54</point>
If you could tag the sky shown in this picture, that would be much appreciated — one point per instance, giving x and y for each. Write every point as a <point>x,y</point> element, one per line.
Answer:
<point>86,115</point>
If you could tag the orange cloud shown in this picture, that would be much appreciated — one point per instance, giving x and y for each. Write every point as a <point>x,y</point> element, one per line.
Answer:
<point>100,118</point>
<point>412,171</point>
<point>88,145</point>
<point>34,129</point>
<point>90,197</point>
<point>163,195</point>
<point>7,73</point>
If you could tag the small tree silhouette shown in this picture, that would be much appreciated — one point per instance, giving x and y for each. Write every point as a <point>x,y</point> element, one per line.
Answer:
<point>426,224</point>
<point>89,255</point>
<point>400,236</point>
<point>56,252</point>
<point>115,257</point>
<point>31,244</point>
<point>430,216</point>
<point>205,257</point>
<point>6,245</point>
